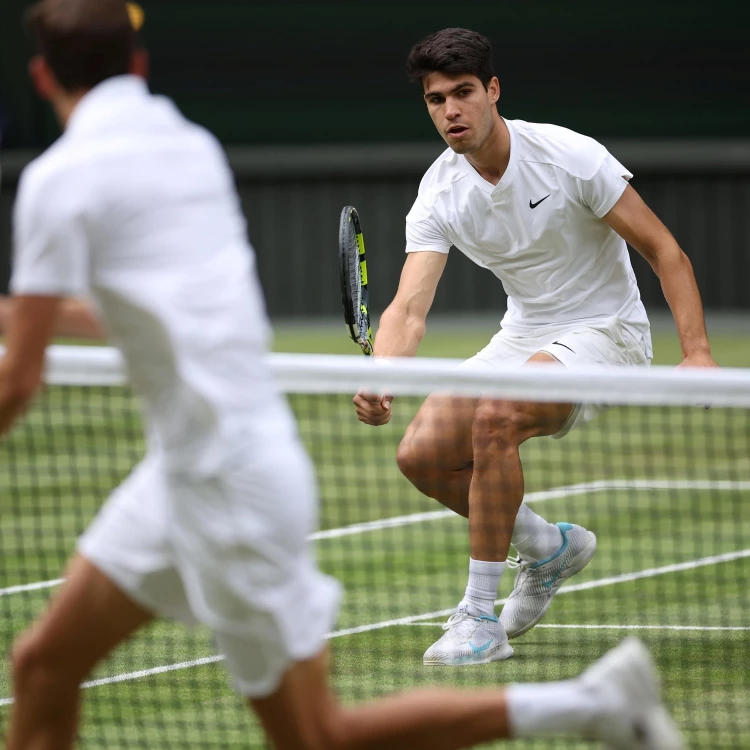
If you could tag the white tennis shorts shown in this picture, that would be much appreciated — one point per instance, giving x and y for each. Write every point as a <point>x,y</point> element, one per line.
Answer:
<point>229,551</point>
<point>608,343</point>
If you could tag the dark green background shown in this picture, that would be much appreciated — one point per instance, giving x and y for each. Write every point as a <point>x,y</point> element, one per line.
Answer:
<point>331,72</point>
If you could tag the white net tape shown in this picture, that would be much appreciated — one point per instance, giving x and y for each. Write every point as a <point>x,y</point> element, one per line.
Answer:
<point>319,373</point>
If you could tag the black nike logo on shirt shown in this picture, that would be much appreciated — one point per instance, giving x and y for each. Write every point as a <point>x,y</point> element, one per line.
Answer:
<point>534,205</point>
<point>557,342</point>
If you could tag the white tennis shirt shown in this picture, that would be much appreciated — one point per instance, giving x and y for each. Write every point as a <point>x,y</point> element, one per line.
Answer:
<point>136,208</point>
<point>539,230</point>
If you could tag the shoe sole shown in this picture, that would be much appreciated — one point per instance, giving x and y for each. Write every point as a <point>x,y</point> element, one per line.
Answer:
<point>576,565</point>
<point>500,655</point>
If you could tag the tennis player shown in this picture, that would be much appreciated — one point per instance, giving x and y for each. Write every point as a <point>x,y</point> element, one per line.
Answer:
<point>135,207</point>
<point>548,211</point>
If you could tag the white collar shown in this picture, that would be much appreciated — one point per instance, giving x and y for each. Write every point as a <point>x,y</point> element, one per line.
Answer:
<point>105,94</point>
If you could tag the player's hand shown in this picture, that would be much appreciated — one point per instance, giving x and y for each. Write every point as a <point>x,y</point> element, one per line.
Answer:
<point>373,408</point>
<point>701,359</point>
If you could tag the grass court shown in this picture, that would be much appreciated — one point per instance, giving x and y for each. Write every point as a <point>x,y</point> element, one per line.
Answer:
<point>665,489</point>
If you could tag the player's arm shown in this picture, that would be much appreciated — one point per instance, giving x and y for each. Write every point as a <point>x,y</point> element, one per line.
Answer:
<point>30,327</point>
<point>634,221</point>
<point>50,265</point>
<point>402,325</point>
<point>75,319</point>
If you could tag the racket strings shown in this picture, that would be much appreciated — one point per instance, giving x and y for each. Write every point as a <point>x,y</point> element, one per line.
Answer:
<point>355,276</point>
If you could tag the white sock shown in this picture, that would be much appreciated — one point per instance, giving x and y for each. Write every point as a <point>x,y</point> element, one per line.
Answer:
<point>481,591</point>
<point>547,708</point>
<point>533,537</point>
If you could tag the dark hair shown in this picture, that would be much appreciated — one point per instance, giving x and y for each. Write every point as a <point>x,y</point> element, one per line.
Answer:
<point>452,51</point>
<point>83,41</point>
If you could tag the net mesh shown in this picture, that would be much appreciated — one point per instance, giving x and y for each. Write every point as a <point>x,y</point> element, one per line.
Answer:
<point>664,486</point>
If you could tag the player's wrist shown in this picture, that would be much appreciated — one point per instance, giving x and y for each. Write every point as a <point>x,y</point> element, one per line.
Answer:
<point>697,349</point>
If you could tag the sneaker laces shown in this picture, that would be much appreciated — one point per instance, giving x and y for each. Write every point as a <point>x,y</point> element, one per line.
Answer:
<point>459,618</point>
<point>455,619</point>
<point>517,562</point>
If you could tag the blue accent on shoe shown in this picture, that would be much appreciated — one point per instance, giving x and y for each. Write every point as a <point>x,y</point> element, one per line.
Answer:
<point>490,618</point>
<point>479,649</point>
<point>564,529</point>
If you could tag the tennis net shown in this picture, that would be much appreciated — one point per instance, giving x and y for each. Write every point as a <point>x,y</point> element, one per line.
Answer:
<point>663,481</point>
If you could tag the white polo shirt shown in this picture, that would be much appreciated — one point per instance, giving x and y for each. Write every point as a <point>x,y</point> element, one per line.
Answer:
<point>136,207</point>
<point>539,230</point>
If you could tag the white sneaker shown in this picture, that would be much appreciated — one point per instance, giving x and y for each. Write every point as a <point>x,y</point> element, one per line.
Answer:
<point>469,639</point>
<point>536,583</point>
<point>627,681</point>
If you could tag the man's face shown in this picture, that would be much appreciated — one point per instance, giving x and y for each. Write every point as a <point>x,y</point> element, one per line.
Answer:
<point>461,108</point>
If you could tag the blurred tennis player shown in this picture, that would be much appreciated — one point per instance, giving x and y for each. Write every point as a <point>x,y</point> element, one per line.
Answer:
<point>548,211</point>
<point>136,207</point>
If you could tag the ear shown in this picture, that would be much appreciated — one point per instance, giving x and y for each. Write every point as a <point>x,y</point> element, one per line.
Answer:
<point>493,89</point>
<point>43,78</point>
<point>140,63</point>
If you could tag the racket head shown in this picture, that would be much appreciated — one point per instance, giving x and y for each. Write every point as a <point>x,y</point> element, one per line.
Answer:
<point>353,277</point>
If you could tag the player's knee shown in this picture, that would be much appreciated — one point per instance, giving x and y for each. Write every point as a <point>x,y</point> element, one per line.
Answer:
<point>34,666</point>
<point>328,731</point>
<point>410,458</point>
<point>501,424</point>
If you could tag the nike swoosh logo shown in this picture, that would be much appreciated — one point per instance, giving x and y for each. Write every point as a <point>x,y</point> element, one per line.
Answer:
<point>534,205</point>
<point>564,345</point>
<point>549,583</point>
<point>479,649</point>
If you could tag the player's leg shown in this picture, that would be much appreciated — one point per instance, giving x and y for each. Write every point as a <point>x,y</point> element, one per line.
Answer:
<point>85,621</point>
<point>304,714</point>
<point>123,574</point>
<point>497,486</point>
<point>436,453</point>
<point>475,635</point>
<point>617,701</point>
<point>497,516</point>
<point>542,571</point>
<point>437,456</point>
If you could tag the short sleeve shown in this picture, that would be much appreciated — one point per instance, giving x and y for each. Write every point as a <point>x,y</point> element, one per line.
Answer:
<point>603,190</point>
<point>423,232</point>
<point>50,248</point>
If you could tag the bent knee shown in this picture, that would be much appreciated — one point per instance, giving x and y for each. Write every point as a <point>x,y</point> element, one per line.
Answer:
<point>504,424</point>
<point>428,456</point>
<point>329,731</point>
<point>411,458</point>
<point>28,659</point>
<point>427,461</point>
<point>35,665</point>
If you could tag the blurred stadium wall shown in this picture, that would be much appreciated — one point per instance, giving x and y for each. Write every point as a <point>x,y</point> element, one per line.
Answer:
<point>313,105</point>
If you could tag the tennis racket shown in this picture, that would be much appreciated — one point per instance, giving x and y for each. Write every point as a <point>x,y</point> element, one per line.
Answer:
<point>353,270</point>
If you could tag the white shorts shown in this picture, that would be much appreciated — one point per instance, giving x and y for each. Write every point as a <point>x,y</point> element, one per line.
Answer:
<point>608,343</point>
<point>229,551</point>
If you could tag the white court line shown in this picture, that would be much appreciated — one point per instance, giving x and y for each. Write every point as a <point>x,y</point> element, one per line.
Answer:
<point>572,490</point>
<point>702,628</point>
<point>31,587</point>
<point>595,584</point>
<point>414,619</point>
